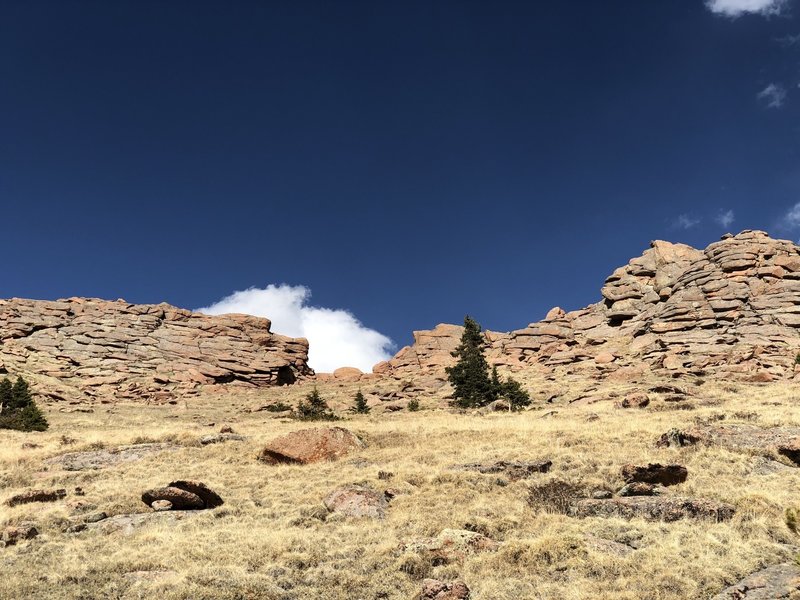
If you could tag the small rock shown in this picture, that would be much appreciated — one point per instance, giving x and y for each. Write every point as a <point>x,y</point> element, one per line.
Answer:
<point>675,438</point>
<point>95,517</point>
<point>161,505</point>
<point>601,494</point>
<point>637,488</point>
<point>433,589</point>
<point>357,501</point>
<point>226,429</point>
<point>219,438</point>
<point>13,534</point>
<point>635,400</point>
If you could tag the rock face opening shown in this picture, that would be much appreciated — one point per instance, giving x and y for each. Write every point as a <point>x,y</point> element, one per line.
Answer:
<point>285,376</point>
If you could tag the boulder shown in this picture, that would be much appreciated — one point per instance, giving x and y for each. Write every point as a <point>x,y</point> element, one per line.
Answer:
<point>347,374</point>
<point>676,438</point>
<point>433,589</point>
<point>311,445</point>
<point>357,501</point>
<point>653,508</point>
<point>100,459</point>
<point>178,498</point>
<point>37,496</point>
<point>655,473</point>
<point>209,497</point>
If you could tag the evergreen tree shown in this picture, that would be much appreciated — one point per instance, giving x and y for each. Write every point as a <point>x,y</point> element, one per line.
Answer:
<point>517,397</point>
<point>19,410</point>
<point>497,385</point>
<point>360,404</point>
<point>315,408</point>
<point>20,395</point>
<point>470,375</point>
<point>5,394</point>
<point>413,405</point>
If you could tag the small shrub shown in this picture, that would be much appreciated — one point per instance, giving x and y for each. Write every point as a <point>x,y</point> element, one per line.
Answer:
<point>797,358</point>
<point>792,516</point>
<point>517,397</point>
<point>315,408</point>
<point>413,405</point>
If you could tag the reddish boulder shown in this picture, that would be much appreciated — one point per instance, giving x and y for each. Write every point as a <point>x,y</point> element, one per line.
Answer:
<point>310,446</point>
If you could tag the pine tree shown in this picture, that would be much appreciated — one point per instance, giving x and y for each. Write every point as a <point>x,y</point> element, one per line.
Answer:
<point>470,375</point>
<point>497,385</point>
<point>360,404</point>
<point>19,410</point>
<point>20,395</point>
<point>513,391</point>
<point>5,394</point>
<point>315,408</point>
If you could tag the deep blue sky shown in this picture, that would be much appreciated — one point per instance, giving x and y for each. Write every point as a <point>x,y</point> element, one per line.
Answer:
<point>409,161</point>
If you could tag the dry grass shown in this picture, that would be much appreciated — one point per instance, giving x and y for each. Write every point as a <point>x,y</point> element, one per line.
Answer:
<point>271,538</point>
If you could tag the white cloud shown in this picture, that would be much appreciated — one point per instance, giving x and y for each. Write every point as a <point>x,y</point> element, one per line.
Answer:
<point>686,221</point>
<point>774,95</point>
<point>792,218</point>
<point>736,8</point>
<point>725,218</point>
<point>336,338</point>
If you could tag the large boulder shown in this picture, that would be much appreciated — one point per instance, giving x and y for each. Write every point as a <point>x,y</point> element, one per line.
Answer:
<point>311,445</point>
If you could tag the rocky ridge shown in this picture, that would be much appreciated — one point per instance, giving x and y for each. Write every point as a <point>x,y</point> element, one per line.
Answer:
<point>84,349</point>
<point>731,309</point>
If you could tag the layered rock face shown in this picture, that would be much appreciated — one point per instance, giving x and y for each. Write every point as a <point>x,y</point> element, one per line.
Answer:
<point>87,348</point>
<point>733,308</point>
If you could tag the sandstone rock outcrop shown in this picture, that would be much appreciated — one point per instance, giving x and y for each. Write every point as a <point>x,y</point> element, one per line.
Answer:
<point>732,309</point>
<point>82,348</point>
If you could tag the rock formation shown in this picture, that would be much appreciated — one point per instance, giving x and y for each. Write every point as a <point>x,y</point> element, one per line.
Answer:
<point>732,309</point>
<point>86,348</point>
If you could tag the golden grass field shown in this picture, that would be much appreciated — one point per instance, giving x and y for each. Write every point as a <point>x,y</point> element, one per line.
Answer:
<point>270,540</point>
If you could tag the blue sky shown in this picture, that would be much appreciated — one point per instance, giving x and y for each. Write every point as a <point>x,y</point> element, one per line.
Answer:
<point>407,162</point>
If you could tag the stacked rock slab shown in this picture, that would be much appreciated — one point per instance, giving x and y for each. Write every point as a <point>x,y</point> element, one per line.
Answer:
<point>80,348</point>
<point>733,308</point>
